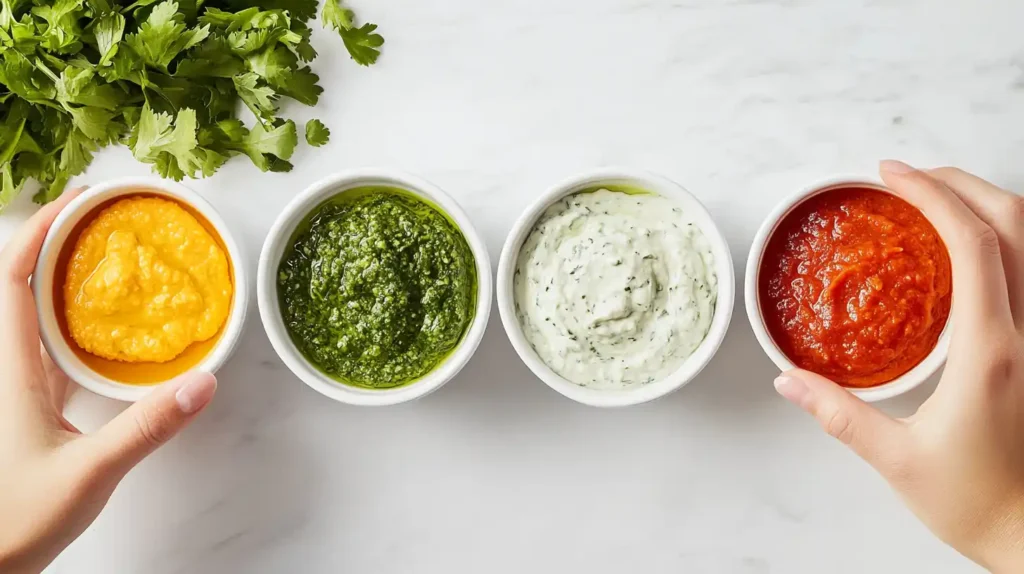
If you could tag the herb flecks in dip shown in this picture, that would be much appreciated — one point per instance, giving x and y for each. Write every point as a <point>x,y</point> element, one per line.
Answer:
<point>377,288</point>
<point>615,289</point>
<point>145,281</point>
<point>856,285</point>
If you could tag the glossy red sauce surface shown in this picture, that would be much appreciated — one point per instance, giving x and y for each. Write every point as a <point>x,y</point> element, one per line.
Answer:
<point>855,284</point>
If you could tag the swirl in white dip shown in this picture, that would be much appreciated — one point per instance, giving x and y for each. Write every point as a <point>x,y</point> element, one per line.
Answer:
<point>615,289</point>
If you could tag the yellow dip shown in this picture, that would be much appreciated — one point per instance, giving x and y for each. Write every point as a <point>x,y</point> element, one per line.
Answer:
<point>145,281</point>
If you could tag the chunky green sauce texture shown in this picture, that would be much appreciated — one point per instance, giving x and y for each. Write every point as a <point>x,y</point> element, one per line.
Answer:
<point>377,287</point>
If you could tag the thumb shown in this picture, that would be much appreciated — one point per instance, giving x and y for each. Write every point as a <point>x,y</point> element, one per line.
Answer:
<point>145,426</point>
<point>873,435</point>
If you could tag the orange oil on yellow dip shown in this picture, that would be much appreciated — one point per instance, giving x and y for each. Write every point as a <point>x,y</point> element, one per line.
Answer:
<point>146,289</point>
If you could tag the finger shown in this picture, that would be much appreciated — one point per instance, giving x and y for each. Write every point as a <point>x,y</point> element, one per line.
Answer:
<point>51,394</point>
<point>1003,211</point>
<point>980,300</point>
<point>148,424</point>
<point>19,328</point>
<point>873,435</point>
<point>18,257</point>
<point>57,381</point>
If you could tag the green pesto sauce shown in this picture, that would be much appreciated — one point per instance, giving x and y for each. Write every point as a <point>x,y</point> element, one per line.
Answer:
<point>377,287</point>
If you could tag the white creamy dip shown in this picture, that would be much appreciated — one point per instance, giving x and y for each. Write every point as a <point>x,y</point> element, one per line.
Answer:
<point>614,289</point>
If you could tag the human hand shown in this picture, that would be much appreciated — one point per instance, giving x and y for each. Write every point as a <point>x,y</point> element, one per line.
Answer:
<point>54,480</point>
<point>958,462</point>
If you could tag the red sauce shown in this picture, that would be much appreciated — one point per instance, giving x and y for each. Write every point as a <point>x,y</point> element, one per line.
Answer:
<point>855,285</point>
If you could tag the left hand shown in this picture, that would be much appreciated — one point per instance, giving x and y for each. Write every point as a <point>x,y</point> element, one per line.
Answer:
<point>54,481</point>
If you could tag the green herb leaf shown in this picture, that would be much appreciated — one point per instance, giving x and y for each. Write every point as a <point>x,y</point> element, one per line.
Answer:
<point>96,123</point>
<point>211,59</point>
<point>317,133</point>
<point>362,43</point>
<point>109,30</point>
<point>265,147</point>
<point>336,15</point>
<point>8,189</point>
<point>60,33</point>
<point>303,86</point>
<point>259,98</point>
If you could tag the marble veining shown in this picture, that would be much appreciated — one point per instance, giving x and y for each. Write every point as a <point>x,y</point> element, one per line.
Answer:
<point>741,101</point>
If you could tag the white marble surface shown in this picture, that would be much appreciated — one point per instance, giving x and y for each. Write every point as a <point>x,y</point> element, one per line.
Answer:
<point>741,101</point>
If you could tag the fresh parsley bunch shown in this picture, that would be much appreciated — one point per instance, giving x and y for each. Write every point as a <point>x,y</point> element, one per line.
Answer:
<point>164,77</point>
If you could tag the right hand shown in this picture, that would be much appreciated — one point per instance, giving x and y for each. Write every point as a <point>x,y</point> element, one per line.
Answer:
<point>958,462</point>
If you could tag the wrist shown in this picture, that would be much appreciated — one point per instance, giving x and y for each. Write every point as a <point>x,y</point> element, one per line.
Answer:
<point>1003,561</point>
<point>13,561</point>
<point>1003,548</point>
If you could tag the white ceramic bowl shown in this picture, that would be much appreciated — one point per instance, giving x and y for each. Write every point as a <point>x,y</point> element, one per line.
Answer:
<point>694,364</point>
<point>274,248</point>
<point>43,281</point>
<point>904,383</point>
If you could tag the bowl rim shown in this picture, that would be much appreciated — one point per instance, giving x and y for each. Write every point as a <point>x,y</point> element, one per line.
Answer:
<point>273,249</point>
<point>43,275</point>
<point>902,384</point>
<point>692,365</point>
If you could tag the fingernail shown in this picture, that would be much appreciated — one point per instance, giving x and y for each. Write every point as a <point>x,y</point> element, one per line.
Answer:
<point>897,167</point>
<point>196,393</point>
<point>794,390</point>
